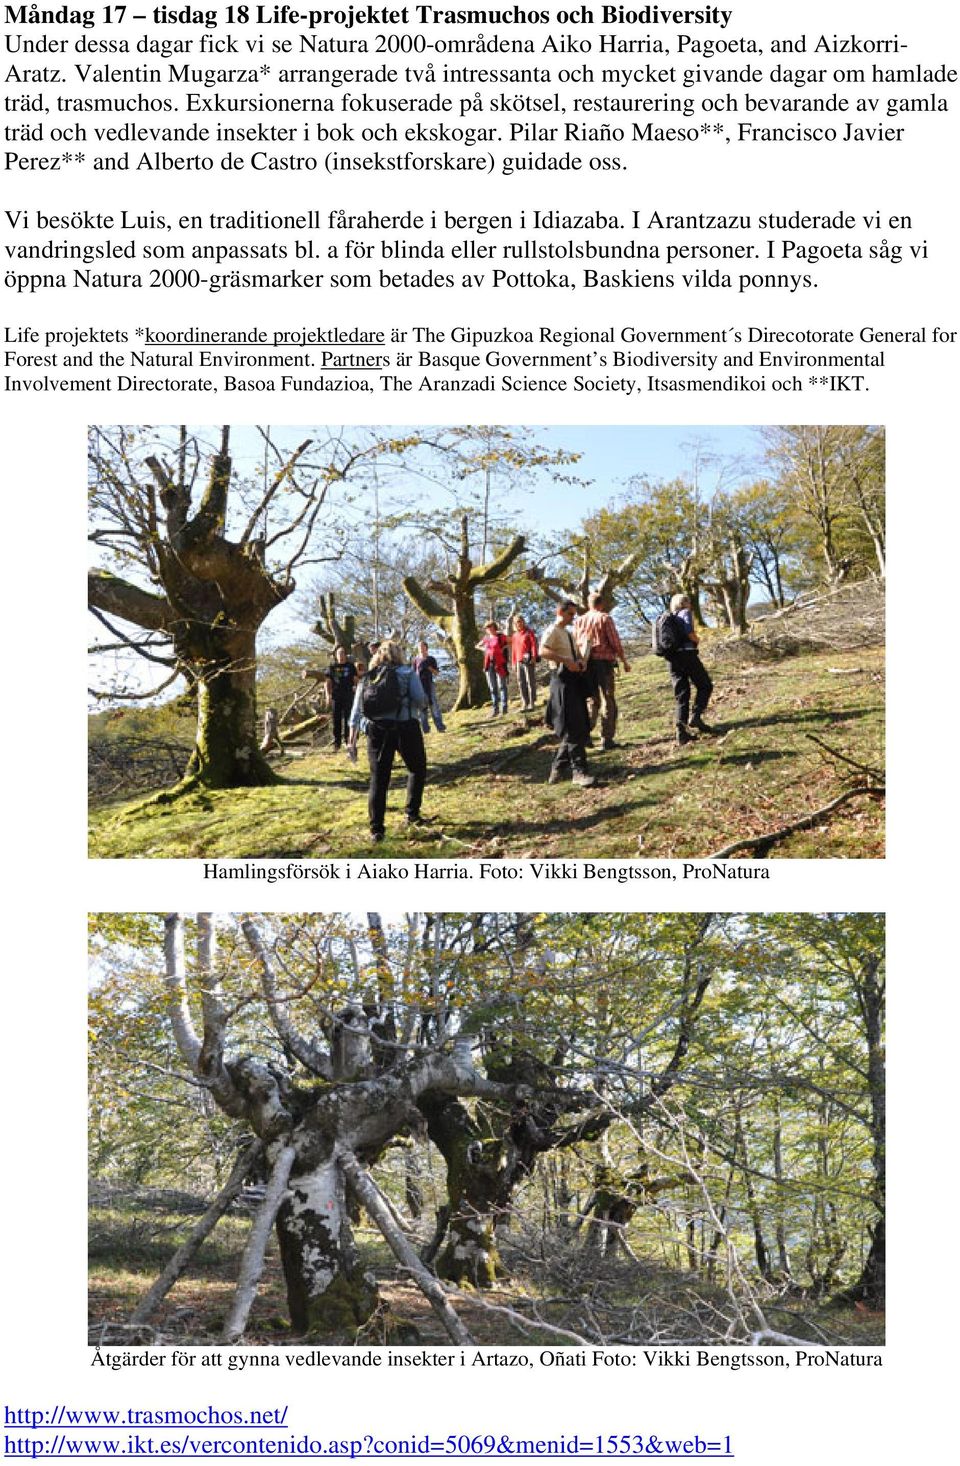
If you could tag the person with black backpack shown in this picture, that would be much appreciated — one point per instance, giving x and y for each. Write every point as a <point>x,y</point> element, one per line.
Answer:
<point>675,640</point>
<point>387,708</point>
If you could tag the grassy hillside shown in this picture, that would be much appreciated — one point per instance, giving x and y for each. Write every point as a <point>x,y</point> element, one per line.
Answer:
<point>487,793</point>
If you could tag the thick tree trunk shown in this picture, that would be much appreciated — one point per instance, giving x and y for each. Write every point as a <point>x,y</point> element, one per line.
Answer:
<point>471,1254</point>
<point>227,751</point>
<point>464,635</point>
<point>457,616</point>
<point>611,1209</point>
<point>326,1292</point>
<point>217,593</point>
<point>479,1185</point>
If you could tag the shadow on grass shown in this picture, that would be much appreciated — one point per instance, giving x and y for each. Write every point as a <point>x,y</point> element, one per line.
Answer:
<point>755,756</point>
<point>475,831</point>
<point>772,720</point>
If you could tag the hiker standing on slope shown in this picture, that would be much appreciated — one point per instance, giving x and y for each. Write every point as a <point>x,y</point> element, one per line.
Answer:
<point>525,654</point>
<point>427,669</point>
<point>567,702</point>
<point>387,708</point>
<point>339,681</point>
<point>496,666</point>
<point>597,630</point>
<point>675,639</point>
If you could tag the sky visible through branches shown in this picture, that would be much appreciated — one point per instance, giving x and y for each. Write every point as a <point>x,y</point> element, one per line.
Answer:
<point>610,456</point>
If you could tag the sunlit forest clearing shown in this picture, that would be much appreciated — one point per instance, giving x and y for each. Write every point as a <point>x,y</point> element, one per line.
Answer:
<point>487,794</point>
<point>207,740</point>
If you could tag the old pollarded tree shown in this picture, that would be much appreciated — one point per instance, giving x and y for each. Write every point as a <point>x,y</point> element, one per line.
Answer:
<point>193,561</point>
<point>320,1119</point>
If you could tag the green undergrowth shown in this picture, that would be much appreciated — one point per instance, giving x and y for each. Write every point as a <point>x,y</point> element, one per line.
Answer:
<point>487,793</point>
<point>640,1300</point>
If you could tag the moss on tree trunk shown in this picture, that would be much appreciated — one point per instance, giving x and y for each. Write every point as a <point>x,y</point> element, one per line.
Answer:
<point>479,1187</point>
<point>470,1254</point>
<point>227,751</point>
<point>326,1292</point>
<point>472,690</point>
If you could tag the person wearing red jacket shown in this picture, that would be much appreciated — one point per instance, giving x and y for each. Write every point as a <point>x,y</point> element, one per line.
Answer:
<point>496,650</point>
<point>525,654</point>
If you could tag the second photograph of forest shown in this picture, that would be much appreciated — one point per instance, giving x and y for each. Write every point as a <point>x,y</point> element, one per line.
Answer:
<point>560,1130</point>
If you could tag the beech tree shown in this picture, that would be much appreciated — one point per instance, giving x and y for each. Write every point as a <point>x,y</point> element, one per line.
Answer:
<point>708,1084</point>
<point>454,1030</point>
<point>450,603</point>
<point>661,525</point>
<point>360,1088</point>
<point>196,561</point>
<point>726,563</point>
<point>474,542</point>
<point>577,1085</point>
<point>836,475</point>
<point>845,957</point>
<point>776,537</point>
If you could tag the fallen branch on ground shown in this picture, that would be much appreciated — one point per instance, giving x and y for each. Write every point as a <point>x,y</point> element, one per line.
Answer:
<point>844,758</point>
<point>763,842</point>
<point>309,725</point>
<point>453,840</point>
<point>522,1321</point>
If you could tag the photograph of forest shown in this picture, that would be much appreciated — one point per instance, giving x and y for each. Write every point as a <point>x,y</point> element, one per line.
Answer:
<point>714,689</point>
<point>571,1129</point>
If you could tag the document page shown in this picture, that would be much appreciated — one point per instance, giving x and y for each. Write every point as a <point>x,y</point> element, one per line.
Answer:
<point>477,423</point>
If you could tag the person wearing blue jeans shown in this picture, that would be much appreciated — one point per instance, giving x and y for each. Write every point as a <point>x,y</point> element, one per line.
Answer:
<point>495,648</point>
<point>426,669</point>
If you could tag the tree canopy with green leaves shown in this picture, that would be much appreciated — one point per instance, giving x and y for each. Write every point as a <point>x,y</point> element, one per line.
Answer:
<point>711,1085</point>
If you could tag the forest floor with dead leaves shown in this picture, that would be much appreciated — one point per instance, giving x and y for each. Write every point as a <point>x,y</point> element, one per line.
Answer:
<point>553,1296</point>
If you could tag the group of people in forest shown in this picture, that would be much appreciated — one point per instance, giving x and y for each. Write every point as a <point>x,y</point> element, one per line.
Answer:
<point>393,701</point>
<point>501,652</point>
